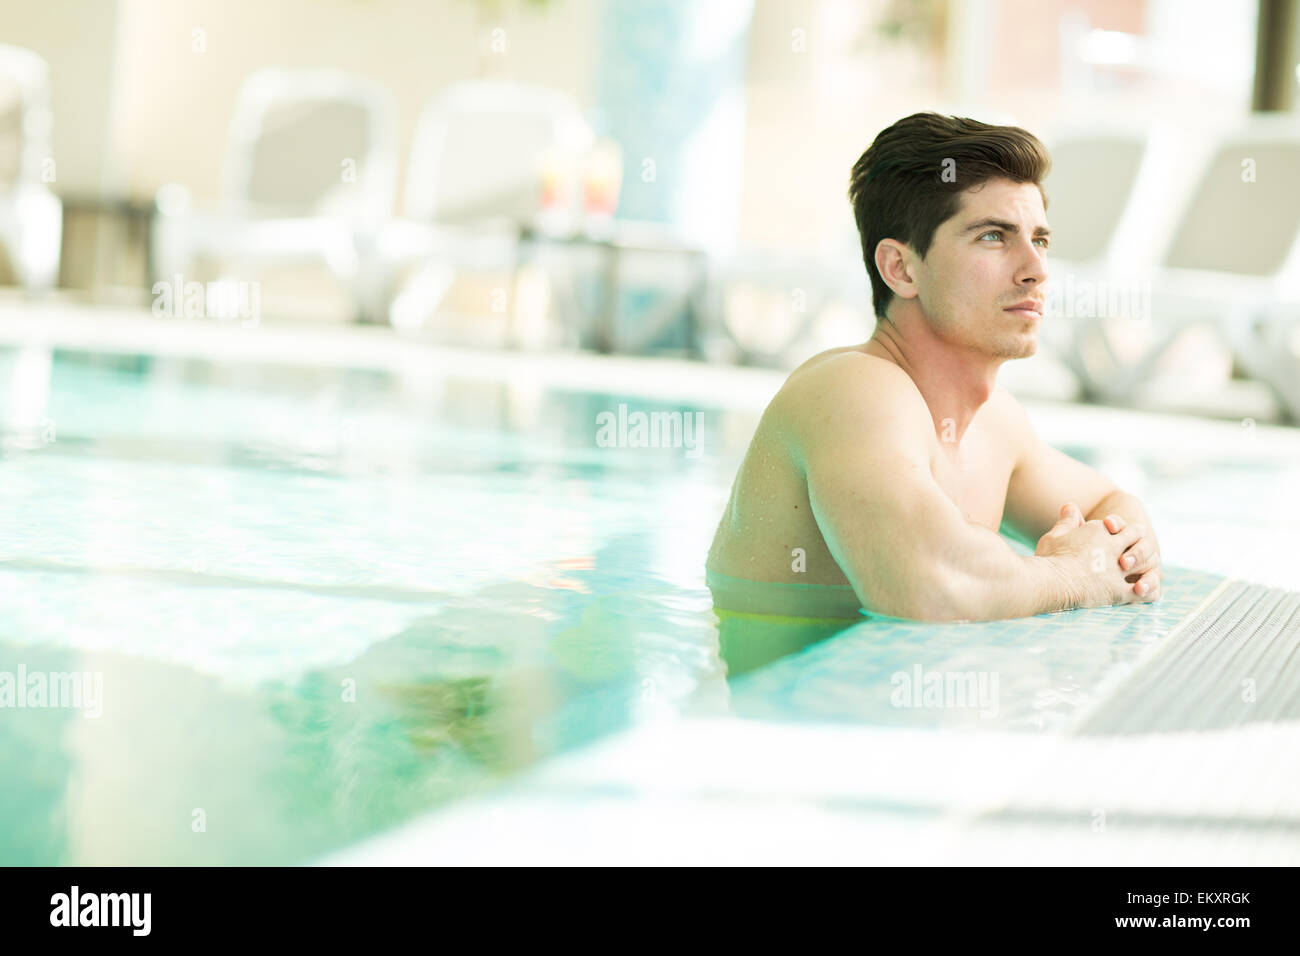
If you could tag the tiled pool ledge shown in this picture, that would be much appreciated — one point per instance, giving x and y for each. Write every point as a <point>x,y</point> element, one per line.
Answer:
<point>136,331</point>
<point>800,786</point>
<point>1033,675</point>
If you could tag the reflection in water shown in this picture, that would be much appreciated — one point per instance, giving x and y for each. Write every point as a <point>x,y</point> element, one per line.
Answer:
<point>760,622</point>
<point>185,768</point>
<point>749,641</point>
<point>453,714</point>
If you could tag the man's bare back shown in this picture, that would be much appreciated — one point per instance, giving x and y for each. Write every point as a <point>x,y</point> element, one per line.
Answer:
<point>769,532</point>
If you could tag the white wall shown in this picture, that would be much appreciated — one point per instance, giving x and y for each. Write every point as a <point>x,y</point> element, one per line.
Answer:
<point>175,103</point>
<point>816,100</point>
<point>76,38</point>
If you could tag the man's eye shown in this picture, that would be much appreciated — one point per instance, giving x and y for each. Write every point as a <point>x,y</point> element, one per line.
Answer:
<point>1045,241</point>
<point>992,232</point>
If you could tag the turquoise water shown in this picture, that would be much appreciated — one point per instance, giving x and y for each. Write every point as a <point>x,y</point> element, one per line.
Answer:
<point>321,603</point>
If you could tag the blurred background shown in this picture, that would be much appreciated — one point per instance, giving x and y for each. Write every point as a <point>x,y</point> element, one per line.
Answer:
<point>663,178</point>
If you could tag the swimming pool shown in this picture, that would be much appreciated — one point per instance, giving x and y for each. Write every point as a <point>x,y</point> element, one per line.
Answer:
<point>324,601</point>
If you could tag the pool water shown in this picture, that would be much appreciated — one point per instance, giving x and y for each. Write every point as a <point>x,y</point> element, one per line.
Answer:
<point>320,602</point>
<point>325,602</point>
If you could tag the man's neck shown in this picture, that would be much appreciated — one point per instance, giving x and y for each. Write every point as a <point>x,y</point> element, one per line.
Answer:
<point>954,381</point>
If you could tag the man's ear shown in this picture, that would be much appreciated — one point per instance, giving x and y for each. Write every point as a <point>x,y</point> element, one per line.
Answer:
<point>895,262</point>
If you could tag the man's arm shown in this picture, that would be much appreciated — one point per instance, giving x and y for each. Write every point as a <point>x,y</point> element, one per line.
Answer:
<point>862,442</point>
<point>1044,478</point>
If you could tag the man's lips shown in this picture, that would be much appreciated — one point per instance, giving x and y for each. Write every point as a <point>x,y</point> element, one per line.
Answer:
<point>1030,308</point>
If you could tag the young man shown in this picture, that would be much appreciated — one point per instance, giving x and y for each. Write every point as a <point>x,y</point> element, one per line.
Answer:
<point>880,474</point>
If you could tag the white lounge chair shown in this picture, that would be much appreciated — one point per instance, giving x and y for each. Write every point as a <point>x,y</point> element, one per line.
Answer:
<point>31,215</point>
<point>310,176</point>
<point>1229,261</point>
<point>1110,196</point>
<point>475,180</point>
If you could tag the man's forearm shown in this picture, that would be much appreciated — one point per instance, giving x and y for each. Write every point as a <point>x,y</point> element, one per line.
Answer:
<point>1121,503</point>
<point>986,580</point>
<point>996,583</point>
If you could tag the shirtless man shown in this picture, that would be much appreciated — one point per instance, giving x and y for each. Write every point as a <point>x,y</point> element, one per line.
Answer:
<point>882,472</point>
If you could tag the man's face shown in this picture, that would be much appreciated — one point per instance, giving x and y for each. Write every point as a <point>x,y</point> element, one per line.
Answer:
<point>985,260</point>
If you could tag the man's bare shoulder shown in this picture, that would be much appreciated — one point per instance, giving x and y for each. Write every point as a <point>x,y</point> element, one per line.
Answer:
<point>847,374</point>
<point>843,392</point>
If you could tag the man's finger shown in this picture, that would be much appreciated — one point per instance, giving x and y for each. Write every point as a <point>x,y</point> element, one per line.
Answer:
<point>1114,523</point>
<point>1068,521</point>
<point>1137,557</point>
<point>1148,584</point>
<point>1128,536</point>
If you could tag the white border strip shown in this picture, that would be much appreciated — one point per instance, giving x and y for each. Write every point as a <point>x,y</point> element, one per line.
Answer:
<point>133,331</point>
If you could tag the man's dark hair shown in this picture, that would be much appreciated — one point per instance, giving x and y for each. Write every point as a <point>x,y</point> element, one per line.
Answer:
<point>911,178</point>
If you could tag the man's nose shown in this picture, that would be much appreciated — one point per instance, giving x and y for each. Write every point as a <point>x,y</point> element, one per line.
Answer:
<point>1033,271</point>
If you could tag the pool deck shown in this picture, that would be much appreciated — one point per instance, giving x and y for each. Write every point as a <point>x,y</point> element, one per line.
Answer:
<point>64,325</point>
<point>714,791</point>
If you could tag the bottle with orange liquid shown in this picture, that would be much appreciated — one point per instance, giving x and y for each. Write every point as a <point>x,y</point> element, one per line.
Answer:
<point>602,177</point>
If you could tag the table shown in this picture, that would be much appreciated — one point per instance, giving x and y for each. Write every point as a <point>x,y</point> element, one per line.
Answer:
<point>618,239</point>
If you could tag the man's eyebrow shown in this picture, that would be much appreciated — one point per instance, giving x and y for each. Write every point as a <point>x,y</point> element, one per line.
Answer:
<point>1003,225</point>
